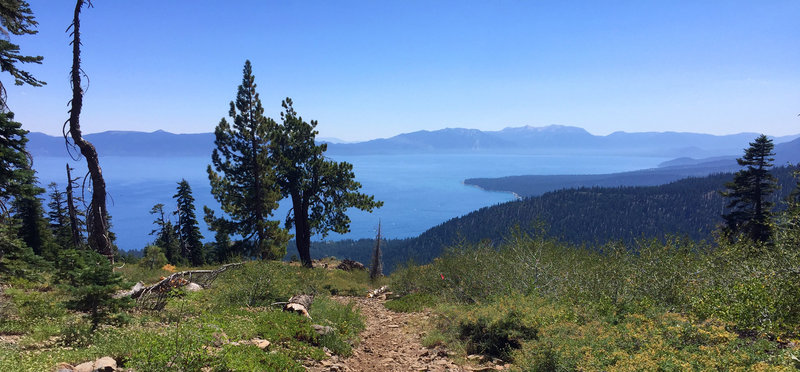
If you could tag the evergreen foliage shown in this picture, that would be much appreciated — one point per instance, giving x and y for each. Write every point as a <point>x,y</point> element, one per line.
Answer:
<point>749,208</point>
<point>166,237</point>
<point>242,176</point>
<point>188,229</point>
<point>16,175</point>
<point>22,228</point>
<point>153,257</point>
<point>32,228</point>
<point>58,217</point>
<point>321,190</point>
<point>16,18</point>
<point>17,260</point>
<point>93,286</point>
<point>789,221</point>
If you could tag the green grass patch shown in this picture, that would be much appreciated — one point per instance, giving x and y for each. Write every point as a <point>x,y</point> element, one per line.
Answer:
<point>411,302</point>
<point>193,331</point>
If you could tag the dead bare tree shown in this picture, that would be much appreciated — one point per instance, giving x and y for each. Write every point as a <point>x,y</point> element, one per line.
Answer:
<point>97,215</point>
<point>73,213</point>
<point>376,266</point>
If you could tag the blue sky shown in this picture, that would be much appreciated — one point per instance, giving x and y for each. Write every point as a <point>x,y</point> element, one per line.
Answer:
<point>369,69</point>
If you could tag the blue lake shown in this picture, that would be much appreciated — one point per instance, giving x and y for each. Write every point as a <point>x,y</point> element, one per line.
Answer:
<point>418,191</point>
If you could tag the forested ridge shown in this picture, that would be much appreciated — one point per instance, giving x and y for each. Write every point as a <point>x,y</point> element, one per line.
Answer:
<point>691,207</point>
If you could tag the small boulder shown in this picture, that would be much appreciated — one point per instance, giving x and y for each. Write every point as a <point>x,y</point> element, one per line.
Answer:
<point>350,265</point>
<point>193,287</point>
<point>105,364</point>
<point>321,329</point>
<point>84,367</point>
<point>63,367</point>
<point>220,338</point>
<point>260,343</point>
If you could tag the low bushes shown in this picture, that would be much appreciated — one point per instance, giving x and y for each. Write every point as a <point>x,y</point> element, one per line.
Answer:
<point>677,303</point>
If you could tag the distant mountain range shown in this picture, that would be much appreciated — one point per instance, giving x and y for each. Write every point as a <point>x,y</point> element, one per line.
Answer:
<point>553,139</point>
<point>669,171</point>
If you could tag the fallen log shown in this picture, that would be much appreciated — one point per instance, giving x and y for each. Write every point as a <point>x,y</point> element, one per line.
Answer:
<point>155,296</point>
<point>300,304</point>
<point>377,292</point>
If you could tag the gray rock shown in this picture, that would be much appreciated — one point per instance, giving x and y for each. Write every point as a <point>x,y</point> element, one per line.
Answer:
<point>105,364</point>
<point>193,287</point>
<point>84,367</point>
<point>322,330</point>
<point>219,339</point>
<point>63,367</point>
<point>260,343</point>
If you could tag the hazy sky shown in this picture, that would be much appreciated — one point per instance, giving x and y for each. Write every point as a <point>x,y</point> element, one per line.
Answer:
<point>368,69</point>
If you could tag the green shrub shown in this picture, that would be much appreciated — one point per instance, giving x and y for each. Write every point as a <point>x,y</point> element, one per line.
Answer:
<point>251,358</point>
<point>76,333</point>
<point>346,283</point>
<point>259,283</point>
<point>345,320</point>
<point>496,329</point>
<point>93,287</point>
<point>180,348</point>
<point>411,302</point>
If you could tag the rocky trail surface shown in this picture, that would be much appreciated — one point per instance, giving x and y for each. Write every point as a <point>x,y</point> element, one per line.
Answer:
<point>392,341</point>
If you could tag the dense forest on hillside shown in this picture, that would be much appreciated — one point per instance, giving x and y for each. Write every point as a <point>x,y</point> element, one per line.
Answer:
<point>689,207</point>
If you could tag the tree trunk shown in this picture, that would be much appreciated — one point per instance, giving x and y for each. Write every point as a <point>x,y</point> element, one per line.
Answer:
<point>302,230</point>
<point>73,214</point>
<point>96,219</point>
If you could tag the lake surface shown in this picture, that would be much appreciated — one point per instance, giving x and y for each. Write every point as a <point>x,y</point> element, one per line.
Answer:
<point>418,191</point>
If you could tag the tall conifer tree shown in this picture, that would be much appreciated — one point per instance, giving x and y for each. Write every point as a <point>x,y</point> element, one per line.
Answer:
<point>16,175</point>
<point>58,217</point>
<point>749,209</point>
<point>188,229</point>
<point>242,175</point>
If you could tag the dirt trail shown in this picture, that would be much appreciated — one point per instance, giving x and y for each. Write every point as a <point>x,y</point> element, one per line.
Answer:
<point>391,342</point>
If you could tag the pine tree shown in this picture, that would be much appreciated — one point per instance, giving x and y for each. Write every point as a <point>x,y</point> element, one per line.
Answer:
<point>242,177</point>
<point>17,19</point>
<point>58,217</point>
<point>18,188</point>
<point>166,238</point>
<point>188,229</point>
<point>749,209</point>
<point>321,190</point>
<point>16,175</point>
<point>92,287</point>
<point>18,197</point>
<point>32,228</point>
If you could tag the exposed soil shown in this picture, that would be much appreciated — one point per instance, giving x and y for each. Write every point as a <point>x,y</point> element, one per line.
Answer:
<point>392,342</point>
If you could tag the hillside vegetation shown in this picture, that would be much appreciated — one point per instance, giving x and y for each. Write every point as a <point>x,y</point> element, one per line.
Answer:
<point>673,305</point>
<point>213,328</point>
